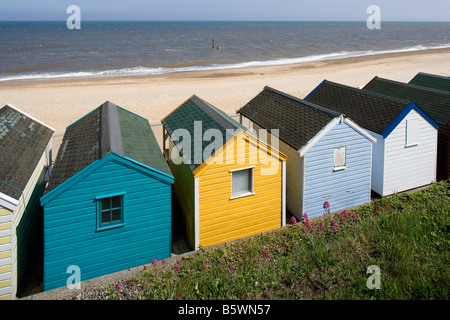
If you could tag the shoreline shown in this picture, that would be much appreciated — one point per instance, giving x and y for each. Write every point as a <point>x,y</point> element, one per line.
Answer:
<point>231,70</point>
<point>60,102</point>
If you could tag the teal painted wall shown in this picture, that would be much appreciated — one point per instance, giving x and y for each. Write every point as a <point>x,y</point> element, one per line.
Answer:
<point>70,223</point>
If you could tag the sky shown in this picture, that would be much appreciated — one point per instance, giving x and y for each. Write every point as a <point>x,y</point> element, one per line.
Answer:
<point>291,10</point>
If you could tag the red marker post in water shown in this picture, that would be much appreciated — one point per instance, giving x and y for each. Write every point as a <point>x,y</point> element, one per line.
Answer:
<point>213,43</point>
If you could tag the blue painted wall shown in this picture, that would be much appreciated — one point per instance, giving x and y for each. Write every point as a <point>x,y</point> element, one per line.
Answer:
<point>344,188</point>
<point>70,222</point>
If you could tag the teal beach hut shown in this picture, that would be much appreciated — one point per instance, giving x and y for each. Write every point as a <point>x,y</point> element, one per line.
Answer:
<point>107,205</point>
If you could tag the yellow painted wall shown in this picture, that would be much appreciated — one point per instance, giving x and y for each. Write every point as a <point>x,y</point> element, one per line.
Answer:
<point>223,219</point>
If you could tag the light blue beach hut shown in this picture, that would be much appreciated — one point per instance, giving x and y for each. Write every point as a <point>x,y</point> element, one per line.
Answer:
<point>328,155</point>
<point>107,206</point>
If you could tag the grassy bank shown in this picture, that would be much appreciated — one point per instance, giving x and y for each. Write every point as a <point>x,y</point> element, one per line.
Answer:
<point>406,236</point>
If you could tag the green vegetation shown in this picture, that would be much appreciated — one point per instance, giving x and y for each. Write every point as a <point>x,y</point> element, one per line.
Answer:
<point>405,235</point>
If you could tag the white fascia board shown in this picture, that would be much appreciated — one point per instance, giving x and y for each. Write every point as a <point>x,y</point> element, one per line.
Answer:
<point>31,117</point>
<point>8,202</point>
<point>319,135</point>
<point>360,130</point>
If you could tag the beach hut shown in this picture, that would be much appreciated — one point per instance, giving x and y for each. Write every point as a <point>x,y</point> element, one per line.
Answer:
<point>229,183</point>
<point>434,102</point>
<point>404,156</point>
<point>432,81</point>
<point>329,156</point>
<point>107,205</point>
<point>25,158</point>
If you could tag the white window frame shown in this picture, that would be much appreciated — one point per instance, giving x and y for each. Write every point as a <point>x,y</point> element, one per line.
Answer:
<point>412,132</point>
<point>243,194</point>
<point>341,166</point>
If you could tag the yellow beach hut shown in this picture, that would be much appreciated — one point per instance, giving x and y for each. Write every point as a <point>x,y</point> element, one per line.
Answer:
<point>229,183</point>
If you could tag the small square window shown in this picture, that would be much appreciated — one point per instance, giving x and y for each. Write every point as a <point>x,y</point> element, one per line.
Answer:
<point>110,211</point>
<point>339,158</point>
<point>242,182</point>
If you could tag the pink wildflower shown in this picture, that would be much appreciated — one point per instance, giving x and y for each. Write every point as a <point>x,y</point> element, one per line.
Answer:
<point>231,268</point>
<point>132,283</point>
<point>204,266</point>
<point>163,261</point>
<point>305,216</point>
<point>294,245</point>
<point>354,217</point>
<point>321,225</point>
<point>117,286</point>
<point>155,262</point>
<point>176,295</point>
<point>326,204</point>
<point>371,213</point>
<point>293,220</point>
<point>308,224</point>
<point>376,207</point>
<point>177,267</point>
<point>254,260</point>
<point>303,230</point>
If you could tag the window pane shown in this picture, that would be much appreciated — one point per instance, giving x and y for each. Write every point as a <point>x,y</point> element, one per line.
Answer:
<point>116,215</point>
<point>106,204</point>
<point>106,217</point>
<point>412,132</point>
<point>116,202</point>
<point>339,157</point>
<point>241,181</point>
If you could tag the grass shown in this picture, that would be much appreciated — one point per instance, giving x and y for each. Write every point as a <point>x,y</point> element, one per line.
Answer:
<point>405,235</point>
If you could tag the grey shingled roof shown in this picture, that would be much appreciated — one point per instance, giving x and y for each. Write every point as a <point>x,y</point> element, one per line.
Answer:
<point>371,111</point>
<point>22,144</point>
<point>108,128</point>
<point>298,121</point>
<point>436,103</point>
<point>431,81</point>
<point>194,110</point>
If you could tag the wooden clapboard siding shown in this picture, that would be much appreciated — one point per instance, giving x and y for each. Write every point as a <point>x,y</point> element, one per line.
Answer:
<point>70,222</point>
<point>224,219</point>
<point>5,253</point>
<point>410,167</point>
<point>184,191</point>
<point>344,188</point>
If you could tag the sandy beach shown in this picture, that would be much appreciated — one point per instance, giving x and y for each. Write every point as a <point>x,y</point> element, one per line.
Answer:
<point>61,102</point>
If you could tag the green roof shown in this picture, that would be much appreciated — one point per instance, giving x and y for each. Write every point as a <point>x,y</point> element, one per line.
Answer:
<point>108,128</point>
<point>435,103</point>
<point>198,116</point>
<point>432,81</point>
<point>22,143</point>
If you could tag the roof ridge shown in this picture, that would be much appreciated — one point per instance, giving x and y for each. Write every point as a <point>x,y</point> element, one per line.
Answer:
<point>110,133</point>
<point>212,111</point>
<point>411,85</point>
<point>432,75</point>
<point>308,104</point>
<point>362,91</point>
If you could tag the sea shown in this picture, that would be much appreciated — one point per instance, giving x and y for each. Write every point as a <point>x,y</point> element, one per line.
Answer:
<point>50,50</point>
